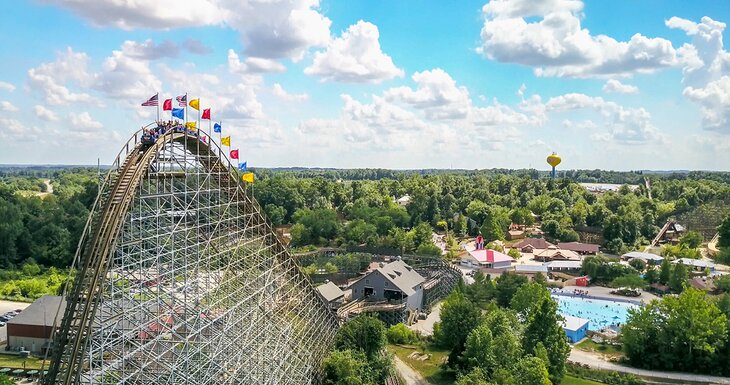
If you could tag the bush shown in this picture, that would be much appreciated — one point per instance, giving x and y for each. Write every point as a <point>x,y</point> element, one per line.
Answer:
<point>401,334</point>
<point>606,377</point>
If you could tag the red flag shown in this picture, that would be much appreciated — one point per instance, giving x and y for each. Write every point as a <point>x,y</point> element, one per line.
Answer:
<point>167,105</point>
<point>206,114</point>
<point>205,139</point>
<point>234,154</point>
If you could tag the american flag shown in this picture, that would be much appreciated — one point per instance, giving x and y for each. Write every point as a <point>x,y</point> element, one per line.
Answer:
<point>182,100</point>
<point>152,102</point>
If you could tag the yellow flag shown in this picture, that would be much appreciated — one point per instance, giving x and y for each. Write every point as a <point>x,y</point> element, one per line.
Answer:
<point>226,141</point>
<point>195,103</point>
<point>247,177</point>
<point>191,126</point>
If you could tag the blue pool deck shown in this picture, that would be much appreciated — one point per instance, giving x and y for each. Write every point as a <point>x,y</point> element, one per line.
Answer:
<point>600,313</point>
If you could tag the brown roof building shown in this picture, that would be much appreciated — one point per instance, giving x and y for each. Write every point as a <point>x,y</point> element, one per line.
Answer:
<point>529,245</point>
<point>580,248</point>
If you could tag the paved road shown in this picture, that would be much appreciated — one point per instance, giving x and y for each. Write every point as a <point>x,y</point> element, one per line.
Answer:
<point>425,327</point>
<point>6,306</point>
<point>596,362</point>
<point>410,376</point>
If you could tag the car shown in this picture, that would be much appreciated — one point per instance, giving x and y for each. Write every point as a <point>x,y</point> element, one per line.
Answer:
<point>4,319</point>
<point>18,311</point>
<point>2,324</point>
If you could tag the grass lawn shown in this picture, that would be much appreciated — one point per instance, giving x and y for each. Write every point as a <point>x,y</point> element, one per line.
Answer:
<point>570,380</point>
<point>429,369</point>
<point>610,350</point>
<point>8,361</point>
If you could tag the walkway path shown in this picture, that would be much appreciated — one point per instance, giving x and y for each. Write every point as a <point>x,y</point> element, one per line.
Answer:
<point>425,327</point>
<point>594,361</point>
<point>410,376</point>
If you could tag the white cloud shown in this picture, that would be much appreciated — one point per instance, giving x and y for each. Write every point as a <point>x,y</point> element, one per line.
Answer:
<point>84,122</point>
<point>196,46</point>
<point>148,50</point>
<point>282,94</point>
<point>160,14</point>
<point>124,75</point>
<point>252,65</point>
<point>614,86</point>
<point>355,57</point>
<point>625,125</point>
<point>52,78</point>
<point>4,86</point>
<point>7,106</point>
<point>44,113</point>
<point>706,70</point>
<point>557,44</point>
<point>714,101</point>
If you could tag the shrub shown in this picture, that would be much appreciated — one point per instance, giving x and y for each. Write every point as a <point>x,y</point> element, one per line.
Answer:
<point>401,334</point>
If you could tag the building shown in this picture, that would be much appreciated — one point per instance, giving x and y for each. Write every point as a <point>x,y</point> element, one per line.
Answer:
<point>531,270</point>
<point>649,258</point>
<point>553,253</point>
<point>564,266</point>
<point>395,281</point>
<point>575,328</point>
<point>529,245</point>
<point>515,234</point>
<point>579,248</point>
<point>31,329</point>
<point>487,259</point>
<point>332,294</point>
<point>696,264</point>
<point>404,200</point>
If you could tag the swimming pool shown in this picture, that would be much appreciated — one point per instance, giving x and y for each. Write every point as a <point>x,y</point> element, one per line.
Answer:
<point>600,313</point>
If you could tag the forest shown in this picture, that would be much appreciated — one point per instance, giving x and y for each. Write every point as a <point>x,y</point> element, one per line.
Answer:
<point>358,207</point>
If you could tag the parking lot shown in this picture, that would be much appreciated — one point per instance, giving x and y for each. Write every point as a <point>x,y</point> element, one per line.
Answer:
<point>6,306</point>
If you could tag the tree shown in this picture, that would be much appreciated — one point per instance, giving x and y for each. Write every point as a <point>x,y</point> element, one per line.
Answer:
<point>724,232</point>
<point>532,371</point>
<point>723,283</point>
<point>507,285</point>
<point>632,281</point>
<point>527,297</point>
<point>665,272</point>
<point>544,326</point>
<point>637,264</point>
<point>514,253</point>
<point>345,368</point>
<point>678,278</point>
<point>459,317</point>
<point>276,213</point>
<point>475,377</point>
<point>615,246</point>
<point>479,349</point>
<point>363,333</point>
<point>691,240</point>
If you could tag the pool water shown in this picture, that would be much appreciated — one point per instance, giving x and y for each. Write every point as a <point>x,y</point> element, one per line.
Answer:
<point>599,313</point>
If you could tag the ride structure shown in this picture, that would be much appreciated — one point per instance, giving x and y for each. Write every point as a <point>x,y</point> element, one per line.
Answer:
<point>181,280</point>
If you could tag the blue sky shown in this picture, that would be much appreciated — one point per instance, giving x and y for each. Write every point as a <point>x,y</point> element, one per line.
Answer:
<point>407,84</point>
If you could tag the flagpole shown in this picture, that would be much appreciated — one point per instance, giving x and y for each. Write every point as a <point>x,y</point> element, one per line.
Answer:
<point>158,107</point>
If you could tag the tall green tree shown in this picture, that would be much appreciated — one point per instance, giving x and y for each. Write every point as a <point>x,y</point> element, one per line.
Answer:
<point>543,326</point>
<point>678,279</point>
<point>665,272</point>
<point>364,333</point>
<point>531,371</point>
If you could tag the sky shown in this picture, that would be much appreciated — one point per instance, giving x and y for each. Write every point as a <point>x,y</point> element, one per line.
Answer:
<point>618,85</point>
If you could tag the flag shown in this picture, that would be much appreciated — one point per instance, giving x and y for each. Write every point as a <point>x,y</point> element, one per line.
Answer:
<point>205,139</point>
<point>178,113</point>
<point>191,125</point>
<point>182,100</point>
<point>226,141</point>
<point>195,103</point>
<point>206,114</point>
<point>247,177</point>
<point>152,102</point>
<point>234,154</point>
<point>243,166</point>
<point>167,105</point>
<point>216,127</point>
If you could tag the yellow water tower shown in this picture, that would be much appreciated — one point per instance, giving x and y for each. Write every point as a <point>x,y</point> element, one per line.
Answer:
<point>553,160</point>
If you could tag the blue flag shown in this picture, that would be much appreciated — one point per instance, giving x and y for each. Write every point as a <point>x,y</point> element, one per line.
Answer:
<point>217,127</point>
<point>178,113</point>
<point>243,166</point>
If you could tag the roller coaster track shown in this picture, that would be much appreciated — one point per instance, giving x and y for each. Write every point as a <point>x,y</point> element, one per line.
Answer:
<point>98,259</point>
